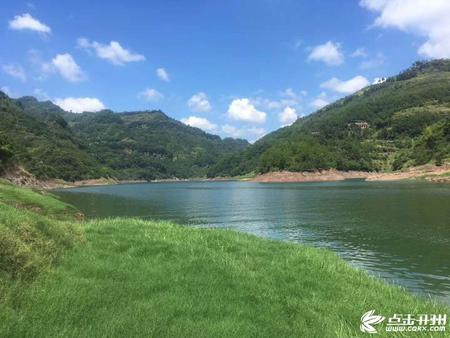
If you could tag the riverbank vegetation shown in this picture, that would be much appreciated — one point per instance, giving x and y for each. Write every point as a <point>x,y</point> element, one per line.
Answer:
<point>128,277</point>
<point>401,123</point>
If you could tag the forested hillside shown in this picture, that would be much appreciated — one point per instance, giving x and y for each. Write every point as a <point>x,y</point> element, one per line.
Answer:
<point>52,143</point>
<point>402,122</point>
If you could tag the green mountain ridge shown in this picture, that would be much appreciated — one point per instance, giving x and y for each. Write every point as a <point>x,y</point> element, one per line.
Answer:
<point>52,143</point>
<point>407,119</point>
<point>400,123</point>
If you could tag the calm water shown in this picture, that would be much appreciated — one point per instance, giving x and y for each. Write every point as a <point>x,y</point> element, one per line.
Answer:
<point>398,231</point>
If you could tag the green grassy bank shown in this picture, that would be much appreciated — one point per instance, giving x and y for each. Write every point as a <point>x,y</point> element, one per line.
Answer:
<point>131,278</point>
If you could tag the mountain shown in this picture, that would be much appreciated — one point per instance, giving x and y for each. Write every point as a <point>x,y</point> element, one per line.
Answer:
<point>402,122</point>
<point>41,142</point>
<point>52,143</point>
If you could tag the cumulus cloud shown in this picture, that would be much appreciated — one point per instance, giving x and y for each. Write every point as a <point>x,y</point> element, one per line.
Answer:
<point>200,122</point>
<point>26,21</point>
<point>113,52</point>
<point>329,53</point>
<point>80,104</point>
<point>428,18</point>
<point>66,66</point>
<point>346,87</point>
<point>287,116</point>
<point>163,74</point>
<point>235,132</point>
<point>199,103</point>
<point>320,101</point>
<point>15,71</point>
<point>243,110</point>
<point>150,94</point>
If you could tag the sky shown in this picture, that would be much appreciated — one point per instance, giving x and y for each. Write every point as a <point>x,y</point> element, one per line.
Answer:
<point>236,68</point>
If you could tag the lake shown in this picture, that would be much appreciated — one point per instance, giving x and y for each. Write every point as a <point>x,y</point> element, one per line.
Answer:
<point>399,231</point>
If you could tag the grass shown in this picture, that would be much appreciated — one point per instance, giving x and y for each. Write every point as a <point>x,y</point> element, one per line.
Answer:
<point>30,243</point>
<point>40,202</point>
<point>134,278</point>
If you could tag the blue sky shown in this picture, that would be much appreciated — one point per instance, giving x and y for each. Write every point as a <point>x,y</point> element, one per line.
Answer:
<point>237,68</point>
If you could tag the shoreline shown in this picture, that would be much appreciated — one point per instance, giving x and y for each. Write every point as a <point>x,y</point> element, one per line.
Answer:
<point>213,269</point>
<point>429,173</point>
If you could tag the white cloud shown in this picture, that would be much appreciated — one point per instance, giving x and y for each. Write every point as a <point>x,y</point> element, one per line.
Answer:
<point>26,21</point>
<point>8,91</point>
<point>287,116</point>
<point>243,110</point>
<point>296,44</point>
<point>265,103</point>
<point>320,101</point>
<point>39,66</point>
<point>80,104</point>
<point>163,74</point>
<point>379,80</point>
<point>200,122</point>
<point>373,63</point>
<point>289,92</point>
<point>235,132</point>
<point>199,103</point>
<point>346,87</point>
<point>151,94</point>
<point>359,52</point>
<point>287,98</point>
<point>66,66</point>
<point>15,71</point>
<point>40,94</point>
<point>428,18</point>
<point>113,52</point>
<point>329,52</point>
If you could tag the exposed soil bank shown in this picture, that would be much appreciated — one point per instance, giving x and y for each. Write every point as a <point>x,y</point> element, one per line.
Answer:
<point>318,176</point>
<point>429,172</point>
<point>19,176</point>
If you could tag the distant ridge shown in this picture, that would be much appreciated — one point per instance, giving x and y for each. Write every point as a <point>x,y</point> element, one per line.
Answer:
<point>52,143</point>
